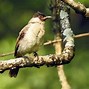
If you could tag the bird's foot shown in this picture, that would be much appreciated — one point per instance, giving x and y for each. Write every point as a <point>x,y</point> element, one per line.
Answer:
<point>35,54</point>
<point>36,59</point>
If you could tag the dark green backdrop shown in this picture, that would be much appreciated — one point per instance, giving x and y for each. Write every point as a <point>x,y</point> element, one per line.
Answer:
<point>14,15</point>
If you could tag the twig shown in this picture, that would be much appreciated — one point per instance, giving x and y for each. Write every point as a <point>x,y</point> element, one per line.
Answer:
<point>75,36</point>
<point>78,7</point>
<point>6,54</point>
<point>81,35</point>
<point>49,42</point>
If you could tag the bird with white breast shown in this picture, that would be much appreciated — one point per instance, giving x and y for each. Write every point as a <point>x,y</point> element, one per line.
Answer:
<point>30,38</point>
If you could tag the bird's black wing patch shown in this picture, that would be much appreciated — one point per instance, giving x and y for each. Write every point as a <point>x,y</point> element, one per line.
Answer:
<point>20,37</point>
<point>16,49</point>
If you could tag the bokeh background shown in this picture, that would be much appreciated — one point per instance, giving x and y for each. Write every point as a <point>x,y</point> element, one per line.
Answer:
<point>14,15</point>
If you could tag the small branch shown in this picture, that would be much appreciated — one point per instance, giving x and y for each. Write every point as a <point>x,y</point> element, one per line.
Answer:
<point>49,43</point>
<point>75,36</point>
<point>6,54</point>
<point>48,60</point>
<point>81,35</point>
<point>78,7</point>
<point>63,78</point>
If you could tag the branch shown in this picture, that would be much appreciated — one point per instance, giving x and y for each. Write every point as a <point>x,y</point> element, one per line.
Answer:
<point>49,43</point>
<point>48,60</point>
<point>6,54</point>
<point>81,35</point>
<point>61,18</point>
<point>63,78</point>
<point>75,36</point>
<point>78,7</point>
<point>68,39</point>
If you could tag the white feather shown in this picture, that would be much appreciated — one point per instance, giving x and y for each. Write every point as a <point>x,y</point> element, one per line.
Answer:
<point>33,36</point>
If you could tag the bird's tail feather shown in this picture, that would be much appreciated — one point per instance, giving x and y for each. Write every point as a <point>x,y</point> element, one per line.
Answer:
<point>13,72</point>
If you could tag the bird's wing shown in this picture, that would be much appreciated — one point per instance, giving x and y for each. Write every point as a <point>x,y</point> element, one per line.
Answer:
<point>21,35</point>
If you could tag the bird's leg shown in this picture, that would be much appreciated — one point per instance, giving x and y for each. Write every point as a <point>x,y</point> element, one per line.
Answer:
<point>35,54</point>
<point>37,58</point>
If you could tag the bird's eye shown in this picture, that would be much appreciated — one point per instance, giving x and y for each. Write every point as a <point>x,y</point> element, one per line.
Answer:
<point>41,17</point>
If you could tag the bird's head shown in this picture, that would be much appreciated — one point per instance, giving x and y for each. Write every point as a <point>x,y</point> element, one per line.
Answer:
<point>41,16</point>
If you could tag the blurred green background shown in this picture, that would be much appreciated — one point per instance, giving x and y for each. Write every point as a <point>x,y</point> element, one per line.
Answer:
<point>14,15</point>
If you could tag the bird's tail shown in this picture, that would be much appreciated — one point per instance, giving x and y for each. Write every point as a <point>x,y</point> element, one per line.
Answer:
<point>13,72</point>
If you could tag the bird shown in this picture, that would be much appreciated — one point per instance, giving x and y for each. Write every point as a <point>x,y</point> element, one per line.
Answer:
<point>30,38</point>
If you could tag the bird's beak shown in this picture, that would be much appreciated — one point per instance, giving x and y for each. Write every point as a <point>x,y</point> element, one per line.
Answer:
<point>47,17</point>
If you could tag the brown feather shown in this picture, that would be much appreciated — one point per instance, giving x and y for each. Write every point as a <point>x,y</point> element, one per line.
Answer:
<point>20,37</point>
<point>14,72</point>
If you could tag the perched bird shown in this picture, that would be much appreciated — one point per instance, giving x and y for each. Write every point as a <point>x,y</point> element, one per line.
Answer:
<point>30,38</point>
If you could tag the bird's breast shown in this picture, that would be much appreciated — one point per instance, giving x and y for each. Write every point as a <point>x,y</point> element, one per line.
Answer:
<point>32,39</point>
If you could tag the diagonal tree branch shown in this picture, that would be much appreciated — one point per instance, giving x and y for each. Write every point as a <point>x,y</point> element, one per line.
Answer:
<point>78,7</point>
